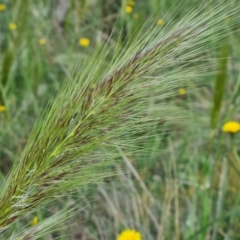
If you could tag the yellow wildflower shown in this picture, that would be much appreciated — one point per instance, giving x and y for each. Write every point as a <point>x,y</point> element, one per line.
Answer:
<point>129,234</point>
<point>2,7</point>
<point>12,26</point>
<point>128,9</point>
<point>160,21</point>
<point>2,108</point>
<point>231,127</point>
<point>136,15</point>
<point>42,41</point>
<point>182,91</point>
<point>84,42</point>
<point>34,221</point>
<point>131,3</point>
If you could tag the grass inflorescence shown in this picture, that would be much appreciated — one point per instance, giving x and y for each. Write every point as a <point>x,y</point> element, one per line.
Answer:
<point>109,105</point>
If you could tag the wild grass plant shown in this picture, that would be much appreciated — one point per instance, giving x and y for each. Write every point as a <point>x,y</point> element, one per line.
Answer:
<point>106,108</point>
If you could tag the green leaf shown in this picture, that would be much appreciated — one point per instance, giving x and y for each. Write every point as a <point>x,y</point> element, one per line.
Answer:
<point>220,83</point>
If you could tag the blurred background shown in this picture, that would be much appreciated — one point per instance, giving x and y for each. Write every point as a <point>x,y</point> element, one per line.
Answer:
<point>186,184</point>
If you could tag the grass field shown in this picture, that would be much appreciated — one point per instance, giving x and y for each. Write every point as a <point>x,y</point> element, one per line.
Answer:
<point>112,117</point>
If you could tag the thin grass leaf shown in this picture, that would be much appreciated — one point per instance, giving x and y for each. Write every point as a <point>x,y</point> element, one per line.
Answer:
<point>220,83</point>
<point>234,104</point>
<point>236,93</point>
<point>6,66</point>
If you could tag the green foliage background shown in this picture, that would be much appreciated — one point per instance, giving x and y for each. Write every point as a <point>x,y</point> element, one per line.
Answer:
<point>184,182</point>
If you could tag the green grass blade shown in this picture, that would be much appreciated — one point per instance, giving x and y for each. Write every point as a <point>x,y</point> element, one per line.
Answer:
<point>220,83</point>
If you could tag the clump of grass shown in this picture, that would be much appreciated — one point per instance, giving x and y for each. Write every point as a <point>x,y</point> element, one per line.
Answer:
<point>74,142</point>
